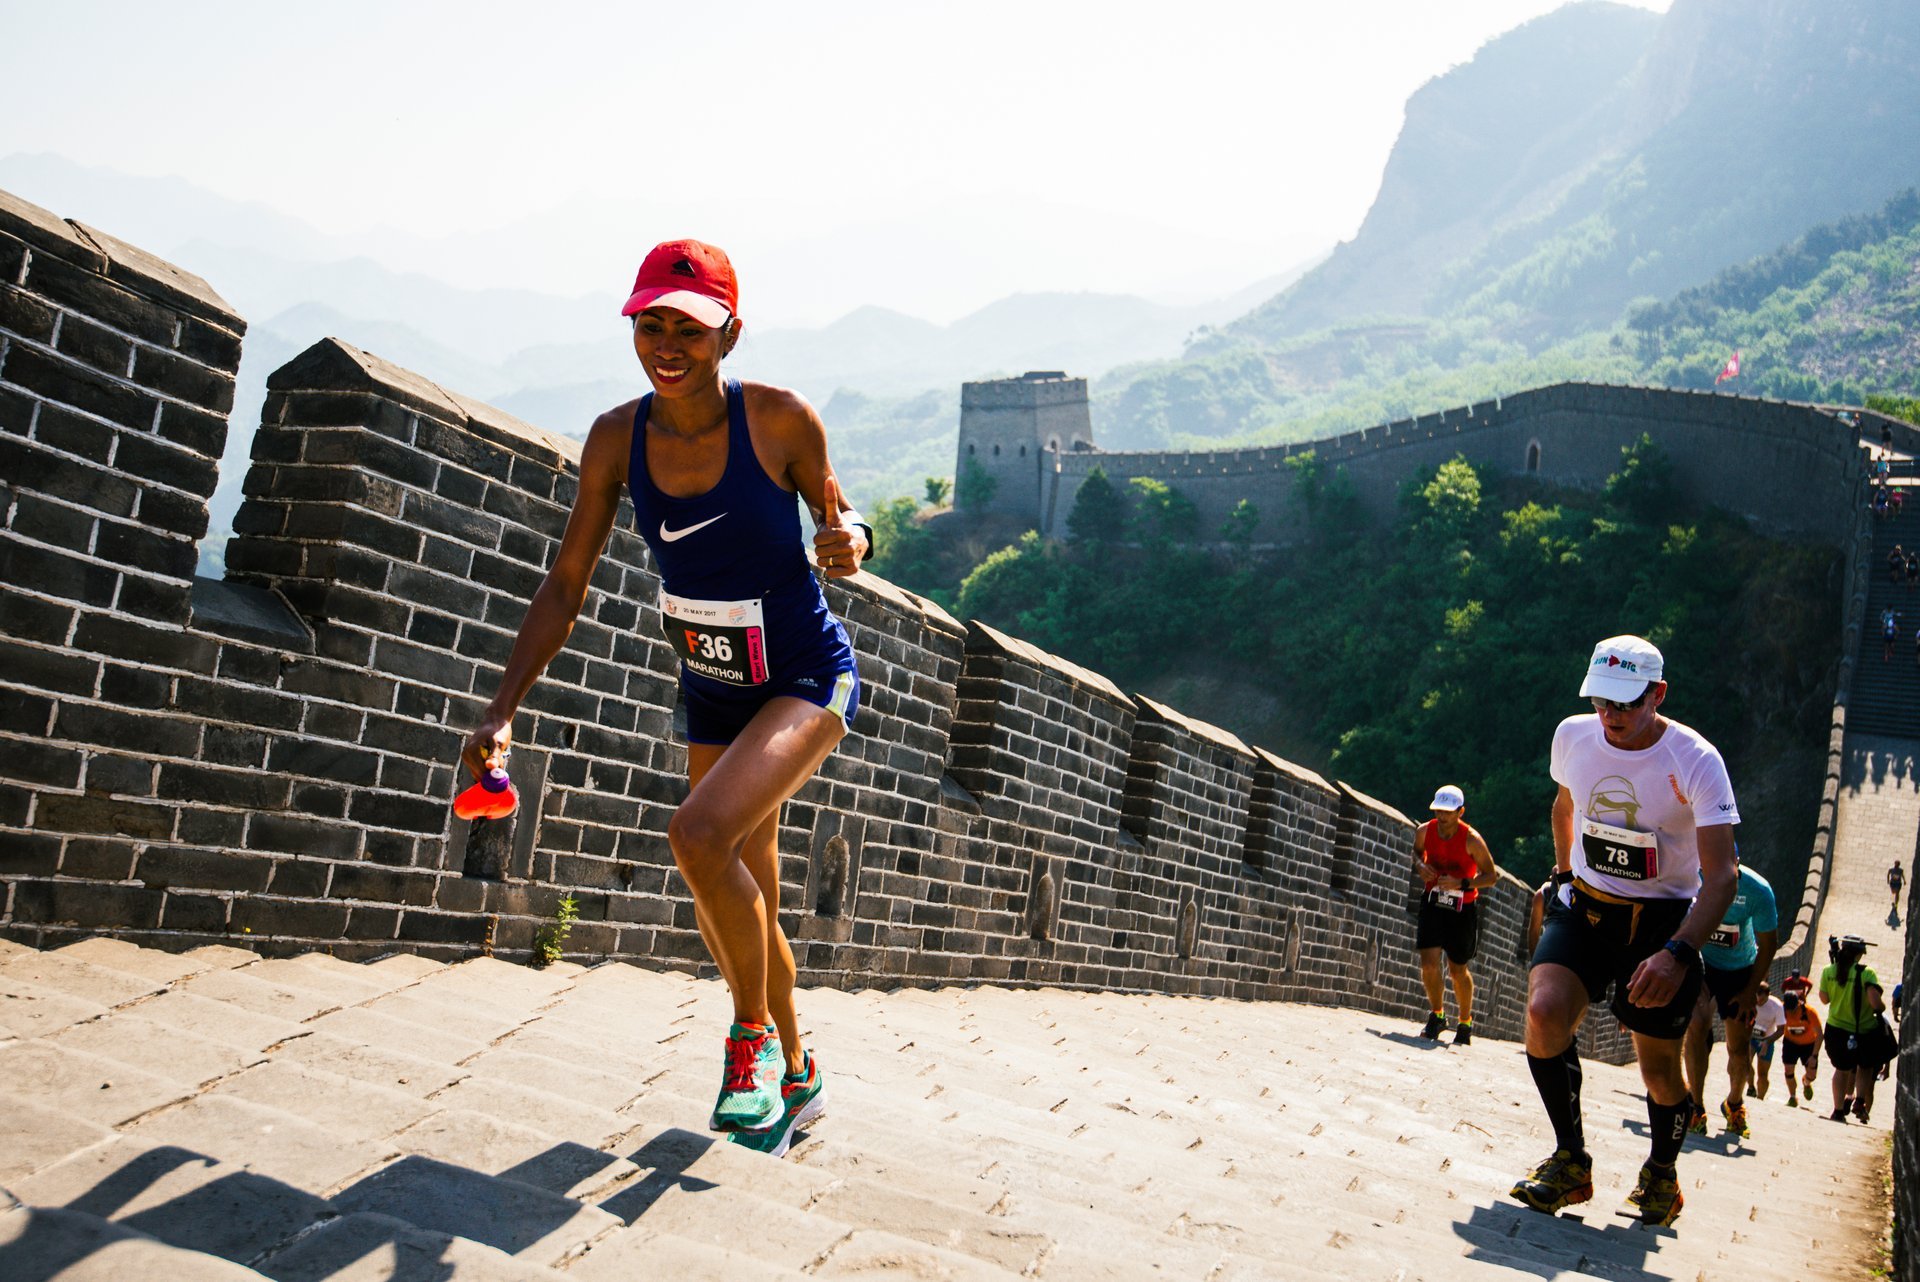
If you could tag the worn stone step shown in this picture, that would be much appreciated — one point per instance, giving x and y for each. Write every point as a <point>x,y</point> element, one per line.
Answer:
<point>154,963</point>
<point>29,1010</point>
<point>165,1051</point>
<point>376,1065</point>
<point>676,1154</point>
<point>33,1137</point>
<point>401,968</point>
<point>528,1223</point>
<point>582,1083</point>
<point>103,1091</point>
<point>875,1252</point>
<point>341,1105</point>
<point>246,988</point>
<point>366,1026</point>
<point>178,1195</point>
<point>731,1218</point>
<point>351,982</point>
<point>262,1139</point>
<point>493,1145</point>
<point>78,978</point>
<point>643,1255</point>
<point>364,1247</point>
<point>211,1020</point>
<point>496,983</point>
<point>42,1244</point>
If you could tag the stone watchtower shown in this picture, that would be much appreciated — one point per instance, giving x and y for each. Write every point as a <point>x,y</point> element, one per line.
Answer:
<point>1007,428</point>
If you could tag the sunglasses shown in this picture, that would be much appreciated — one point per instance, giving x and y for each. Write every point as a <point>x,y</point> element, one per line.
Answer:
<point>1609,705</point>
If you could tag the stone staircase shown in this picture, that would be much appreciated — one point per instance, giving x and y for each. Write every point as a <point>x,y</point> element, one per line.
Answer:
<point>1885,699</point>
<point>214,1115</point>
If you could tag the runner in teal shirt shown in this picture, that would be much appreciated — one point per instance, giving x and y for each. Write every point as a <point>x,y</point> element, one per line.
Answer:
<point>1735,945</point>
<point>1736,955</point>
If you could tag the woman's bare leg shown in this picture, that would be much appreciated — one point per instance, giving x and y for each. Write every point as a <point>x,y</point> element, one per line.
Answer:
<point>736,792</point>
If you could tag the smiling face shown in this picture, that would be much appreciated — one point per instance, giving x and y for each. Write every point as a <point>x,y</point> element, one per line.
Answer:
<point>679,354</point>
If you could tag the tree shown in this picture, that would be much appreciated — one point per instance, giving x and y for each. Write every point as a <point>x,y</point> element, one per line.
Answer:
<point>1099,515</point>
<point>904,551</point>
<point>1162,514</point>
<point>1238,529</point>
<point>1643,487</point>
<point>938,487</point>
<point>977,486</point>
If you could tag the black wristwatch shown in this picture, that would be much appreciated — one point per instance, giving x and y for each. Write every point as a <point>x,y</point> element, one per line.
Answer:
<point>1561,876</point>
<point>1686,952</point>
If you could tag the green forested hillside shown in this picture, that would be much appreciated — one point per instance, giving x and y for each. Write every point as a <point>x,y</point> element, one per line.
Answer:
<point>1446,647</point>
<point>1835,315</point>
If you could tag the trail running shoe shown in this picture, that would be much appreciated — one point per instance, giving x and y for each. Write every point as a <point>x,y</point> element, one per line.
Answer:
<point>1793,1101</point>
<point>1698,1125</point>
<point>803,1098</point>
<point>1657,1195</point>
<point>1838,1114</point>
<point>1736,1120</point>
<point>750,1085</point>
<point>1561,1180</point>
<point>1860,1110</point>
<point>1436,1024</point>
<point>1809,1089</point>
<point>1463,1035</point>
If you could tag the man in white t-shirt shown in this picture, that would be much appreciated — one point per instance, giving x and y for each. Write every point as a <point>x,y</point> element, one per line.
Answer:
<point>1643,849</point>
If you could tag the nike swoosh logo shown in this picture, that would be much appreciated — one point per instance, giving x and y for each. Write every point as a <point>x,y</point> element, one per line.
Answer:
<point>673,536</point>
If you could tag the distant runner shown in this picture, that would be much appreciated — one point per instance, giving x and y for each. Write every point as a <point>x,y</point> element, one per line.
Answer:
<point>1643,843</point>
<point>1737,955</point>
<point>1896,875</point>
<point>1851,990</point>
<point>1800,1038</point>
<point>1769,1024</point>
<point>1454,863</point>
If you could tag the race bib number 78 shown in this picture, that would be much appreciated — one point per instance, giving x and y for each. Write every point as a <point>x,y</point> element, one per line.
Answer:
<point>1619,852</point>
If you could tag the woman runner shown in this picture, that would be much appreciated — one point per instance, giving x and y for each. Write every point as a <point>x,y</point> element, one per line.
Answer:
<point>766,674</point>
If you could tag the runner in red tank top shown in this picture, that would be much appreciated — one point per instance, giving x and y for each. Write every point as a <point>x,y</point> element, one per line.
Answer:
<point>1453,862</point>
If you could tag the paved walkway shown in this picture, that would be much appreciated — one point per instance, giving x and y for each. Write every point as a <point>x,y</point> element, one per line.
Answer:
<point>216,1116</point>
<point>1878,821</point>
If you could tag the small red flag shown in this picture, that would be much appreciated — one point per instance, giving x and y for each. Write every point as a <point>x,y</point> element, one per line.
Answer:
<point>1730,370</point>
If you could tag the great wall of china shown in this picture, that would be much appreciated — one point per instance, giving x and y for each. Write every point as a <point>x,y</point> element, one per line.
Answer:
<point>266,760</point>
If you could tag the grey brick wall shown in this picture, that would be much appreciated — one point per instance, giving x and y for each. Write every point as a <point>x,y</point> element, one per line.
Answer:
<point>1728,451</point>
<point>269,759</point>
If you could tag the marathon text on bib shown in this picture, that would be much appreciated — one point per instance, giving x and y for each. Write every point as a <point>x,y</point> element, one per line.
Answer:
<point>724,640</point>
<point>1620,852</point>
<point>1725,936</point>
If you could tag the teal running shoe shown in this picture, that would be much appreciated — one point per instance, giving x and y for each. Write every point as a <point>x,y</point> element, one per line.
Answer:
<point>804,1097</point>
<point>750,1085</point>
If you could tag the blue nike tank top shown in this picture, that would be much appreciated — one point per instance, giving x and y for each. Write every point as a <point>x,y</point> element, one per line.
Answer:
<point>740,540</point>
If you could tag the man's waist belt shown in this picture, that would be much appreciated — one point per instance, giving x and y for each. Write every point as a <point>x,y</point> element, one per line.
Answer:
<point>1599,905</point>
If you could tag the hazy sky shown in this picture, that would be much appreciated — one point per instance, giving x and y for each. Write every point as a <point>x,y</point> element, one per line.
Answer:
<point>923,156</point>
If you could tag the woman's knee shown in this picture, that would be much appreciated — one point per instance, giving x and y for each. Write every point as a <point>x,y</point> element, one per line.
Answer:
<point>703,843</point>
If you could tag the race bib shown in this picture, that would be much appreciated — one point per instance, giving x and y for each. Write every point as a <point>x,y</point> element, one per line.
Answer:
<point>1620,852</point>
<point>724,640</point>
<point>1449,899</point>
<point>1725,936</point>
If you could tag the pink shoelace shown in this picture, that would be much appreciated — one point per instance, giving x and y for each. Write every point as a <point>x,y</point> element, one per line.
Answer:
<point>742,1055</point>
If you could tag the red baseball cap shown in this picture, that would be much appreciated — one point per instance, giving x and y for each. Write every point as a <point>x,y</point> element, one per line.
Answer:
<point>690,276</point>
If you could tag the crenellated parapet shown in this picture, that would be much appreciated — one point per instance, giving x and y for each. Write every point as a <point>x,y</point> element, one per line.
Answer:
<point>1728,451</point>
